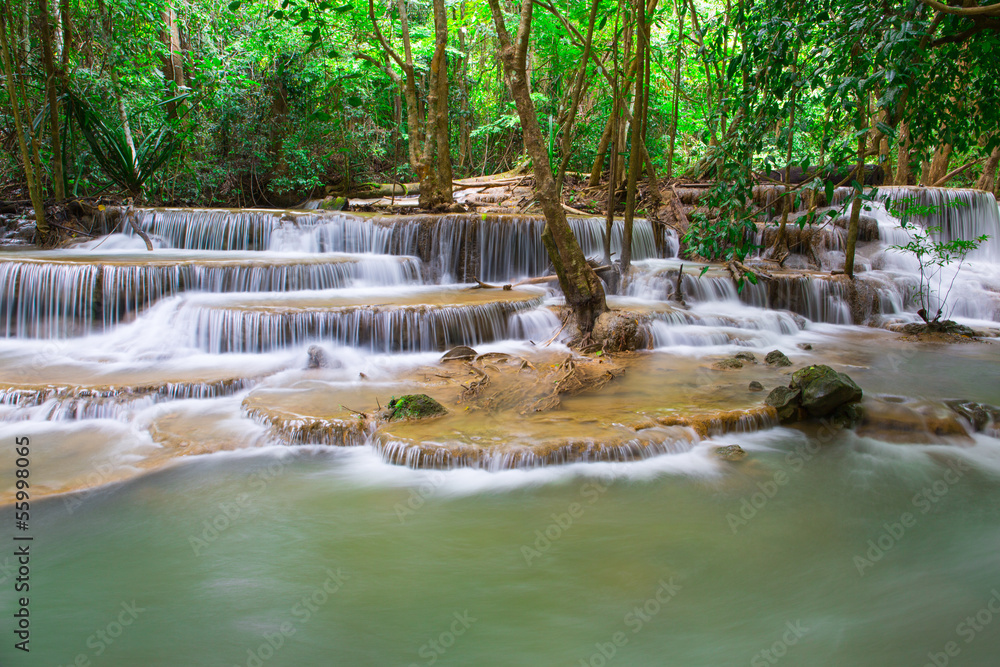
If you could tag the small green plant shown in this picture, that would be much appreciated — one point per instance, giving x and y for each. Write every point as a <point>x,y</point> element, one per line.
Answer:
<point>933,255</point>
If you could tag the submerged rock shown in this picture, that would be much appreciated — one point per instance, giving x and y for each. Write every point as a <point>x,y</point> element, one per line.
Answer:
<point>980,416</point>
<point>728,365</point>
<point>413,406</point>
<point>755,386</point>
<point>824,389</point>
<point>459,353</point>
<point>317,358</point>
<point>777,358</point>
<point>747,356</point>
<point>731,453</point>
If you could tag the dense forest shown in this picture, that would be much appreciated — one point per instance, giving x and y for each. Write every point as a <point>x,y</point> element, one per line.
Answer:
<point>270,103</point>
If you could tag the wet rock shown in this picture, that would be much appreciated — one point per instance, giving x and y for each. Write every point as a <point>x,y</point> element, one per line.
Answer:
<point>805,346</point>
<point>786,401</point>
<point>747,356</point>
<point>616,331</point>
<point>413,406</point>
<point>334,204</point>
<point>731,453</point>
<point>980,416</point>
<point>824,389</point>
<point>848,415</point>
<point>460,352</point>
<point>942,327</point>
<point>777,358</point>
<point>317,358</point>
<point>755,386</point>
<point>728,365</point>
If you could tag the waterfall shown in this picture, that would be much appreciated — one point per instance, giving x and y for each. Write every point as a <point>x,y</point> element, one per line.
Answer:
<point>418,321</point>
<point>53,299</point>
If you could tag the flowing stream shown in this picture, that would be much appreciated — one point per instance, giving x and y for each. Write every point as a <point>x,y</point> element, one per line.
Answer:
<point>196,498</point>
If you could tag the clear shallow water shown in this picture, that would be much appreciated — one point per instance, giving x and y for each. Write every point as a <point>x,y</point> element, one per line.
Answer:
<point>404,551</point>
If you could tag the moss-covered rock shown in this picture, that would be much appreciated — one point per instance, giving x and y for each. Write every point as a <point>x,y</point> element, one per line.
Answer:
<point>728,365</point>
<point>824,389</point>
<point>755,386</point>
<point>413,406</point>
<point>786,401</point>
<point>777,358</point>
<point>731,453</point>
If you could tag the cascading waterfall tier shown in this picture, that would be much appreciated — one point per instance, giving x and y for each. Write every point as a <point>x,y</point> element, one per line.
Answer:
<point>56,294</point>
<point>216,229</point>
<point>460,248</point>
<point>420,319</point>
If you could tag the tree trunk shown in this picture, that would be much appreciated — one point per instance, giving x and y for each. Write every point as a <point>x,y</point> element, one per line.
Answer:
<point>409,85</point>
<point>635,153</point>
<point>435,185</point>
<point>988,179</point>
<point>464,129</point>
<point>677,89</point>
<point>567,127</point>
<point>52,93</point>
<point>580,284</point>
<point>27,154</point>
<point>904,174</point>
<point>173,60</point>
<point>115,85</point>
<point>852,225</point>
<point>938,166</point>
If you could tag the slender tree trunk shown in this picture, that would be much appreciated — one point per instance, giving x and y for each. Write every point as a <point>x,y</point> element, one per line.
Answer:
<point>409,86</point>
<point>67,33</point>
<point>464,142</point>
<point>115,84</point>
<point>677,87</point>
<point>852,225</point>
<point>635,153</point>
<point>903,172</point>
<point>580,284</point>
<point>988,179</point>
<point>52,94</point>
<point>612,137</point>
<point>609,128</point>
<point>173,60</point>
<point>567,127</point>
<point>28,154</point>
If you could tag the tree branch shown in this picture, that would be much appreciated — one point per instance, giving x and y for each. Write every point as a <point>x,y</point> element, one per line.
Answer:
<point>380,36</point>
<point>967,12</point>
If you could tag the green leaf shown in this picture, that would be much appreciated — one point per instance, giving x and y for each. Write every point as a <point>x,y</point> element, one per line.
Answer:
<point>354,101</point>
<point>234,5</point>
